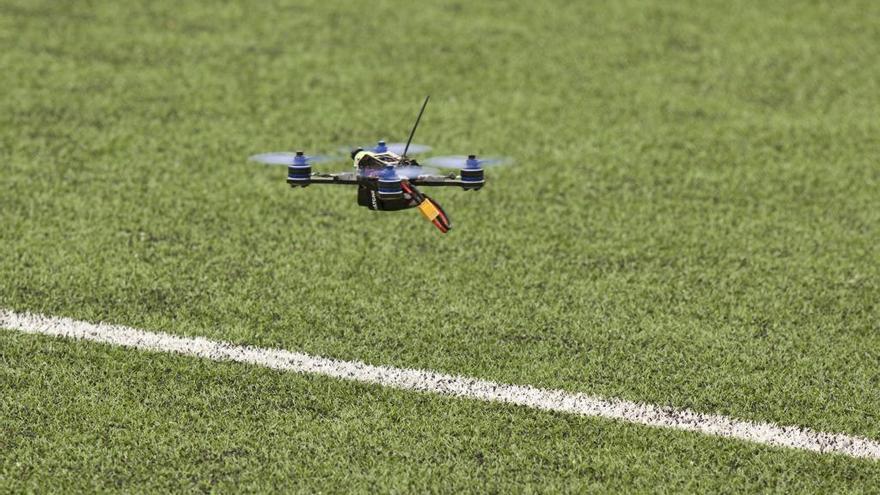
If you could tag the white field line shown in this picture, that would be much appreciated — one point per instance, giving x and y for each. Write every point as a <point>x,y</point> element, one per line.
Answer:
<point>456,386</point>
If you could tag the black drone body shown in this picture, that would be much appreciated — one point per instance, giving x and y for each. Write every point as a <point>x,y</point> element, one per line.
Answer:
<point>387,179</point>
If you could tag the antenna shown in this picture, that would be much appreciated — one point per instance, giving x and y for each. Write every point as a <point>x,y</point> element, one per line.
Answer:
<point>413,131</point>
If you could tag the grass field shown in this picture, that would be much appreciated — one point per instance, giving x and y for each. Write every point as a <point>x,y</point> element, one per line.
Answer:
<point>692,222</point>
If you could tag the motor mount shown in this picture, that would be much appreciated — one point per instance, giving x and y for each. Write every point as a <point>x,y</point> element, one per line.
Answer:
<point>389,184</point>
<point>299,173</point>
<point>472,176</point>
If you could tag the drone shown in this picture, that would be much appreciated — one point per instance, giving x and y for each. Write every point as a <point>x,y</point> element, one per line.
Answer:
<point>387,178</point>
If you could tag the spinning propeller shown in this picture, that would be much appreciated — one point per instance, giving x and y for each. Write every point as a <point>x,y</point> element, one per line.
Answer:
<point>465,162</point>
<point>405,172</point>
<point>396,148</point>
<point>287,158</point>
<point>413,172</point>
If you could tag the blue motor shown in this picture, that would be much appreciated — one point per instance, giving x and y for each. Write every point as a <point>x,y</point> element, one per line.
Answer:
<point>389,184</point>
<point>381,147</point>
<point>299,173</point>
<point>472,176</point>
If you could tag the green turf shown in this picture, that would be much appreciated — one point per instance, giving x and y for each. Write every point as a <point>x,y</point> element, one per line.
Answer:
<point>125,420</point>
<point>693,220</point>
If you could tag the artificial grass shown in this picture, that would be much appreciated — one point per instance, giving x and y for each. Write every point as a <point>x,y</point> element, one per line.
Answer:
<point>128,420</point>
<point>692,221</point>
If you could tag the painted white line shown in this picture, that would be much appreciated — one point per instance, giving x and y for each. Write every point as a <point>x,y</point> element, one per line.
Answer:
<point>457,386</point>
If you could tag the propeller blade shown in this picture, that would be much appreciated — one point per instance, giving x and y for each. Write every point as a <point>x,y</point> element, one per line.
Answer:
<point>396,148</point>
<point>413,172</point>
<point>414,149</point>
<point>286,158</point>
<point>402,172</point>
<point>460,161</point>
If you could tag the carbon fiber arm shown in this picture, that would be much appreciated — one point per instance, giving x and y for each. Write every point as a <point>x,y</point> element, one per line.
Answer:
<point>344,178</point>
<point>350,178</point>
<point>437,180</point>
